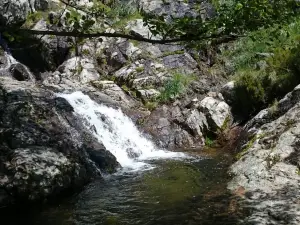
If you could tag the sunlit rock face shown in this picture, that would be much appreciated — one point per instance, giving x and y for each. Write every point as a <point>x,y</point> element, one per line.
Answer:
<point>268,165</point>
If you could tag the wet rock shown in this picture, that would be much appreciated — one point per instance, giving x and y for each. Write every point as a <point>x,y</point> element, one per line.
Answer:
<point>44,147</point>
<point>105,161</point>
<point>268,164</point>
<point>21,72</point>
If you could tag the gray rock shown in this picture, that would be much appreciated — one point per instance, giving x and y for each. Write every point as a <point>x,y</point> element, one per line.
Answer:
<point>183,62</point>
<point>14,12</point>
<point>174,128</point>
<point>216,111</point>
<point>44,149</point>
<point>169,7</point>
<point>116,93</point>
<point>228,92</point>
<point>149,94</point>
<point>74,72</point>
<point>269,164</point>
<point>137,28</point>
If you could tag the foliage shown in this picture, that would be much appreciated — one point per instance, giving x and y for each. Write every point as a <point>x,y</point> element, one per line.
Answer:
<point>209,142</point>
<point>32,18</point>
<point>234,17</point>
<point>256,89</point>
<point>249,92</point>
<point>175,86</point>
<point>231,17</point>
<point>246,52</point>
<point>265,66</point>
<point>150,105</point>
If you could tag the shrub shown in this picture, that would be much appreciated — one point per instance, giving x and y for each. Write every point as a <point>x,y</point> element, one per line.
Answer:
<point>209,142</point>
<point>175,86</point>
<point>249,92</point>
<point>255,89</point>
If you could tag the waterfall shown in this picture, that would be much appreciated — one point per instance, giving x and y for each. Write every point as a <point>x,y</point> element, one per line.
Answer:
<point>10,60</point>
<point>117,132</point>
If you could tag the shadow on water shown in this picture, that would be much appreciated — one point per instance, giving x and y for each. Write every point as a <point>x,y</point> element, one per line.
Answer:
<point>186,192</point>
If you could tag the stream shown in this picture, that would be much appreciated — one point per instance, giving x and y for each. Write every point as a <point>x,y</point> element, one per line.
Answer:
<point>184,192</point>
<point>154,186</point>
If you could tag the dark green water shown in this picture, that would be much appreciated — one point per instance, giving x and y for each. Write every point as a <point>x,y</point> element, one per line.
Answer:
<point>185,192</point>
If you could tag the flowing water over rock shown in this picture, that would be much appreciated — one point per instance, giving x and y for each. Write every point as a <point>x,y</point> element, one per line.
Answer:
<point>18,70</point>
<point>154,187</point>
<point>117,132</point>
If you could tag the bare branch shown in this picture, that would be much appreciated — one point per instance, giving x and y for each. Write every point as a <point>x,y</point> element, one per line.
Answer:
<point>115,35</point>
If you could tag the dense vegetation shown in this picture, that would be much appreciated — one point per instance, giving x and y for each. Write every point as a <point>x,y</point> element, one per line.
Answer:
<point>263,35</point>
<point>265,65</point>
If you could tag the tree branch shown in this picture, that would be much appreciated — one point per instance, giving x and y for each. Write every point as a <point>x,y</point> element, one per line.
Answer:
<point>114,35</point>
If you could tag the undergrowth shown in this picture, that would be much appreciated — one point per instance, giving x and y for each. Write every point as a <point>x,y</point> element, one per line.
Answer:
<point>175,86</point>
<point>265,66</point>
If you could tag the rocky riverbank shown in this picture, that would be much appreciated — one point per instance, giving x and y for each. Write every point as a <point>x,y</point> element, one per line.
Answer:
<point>46,150</point>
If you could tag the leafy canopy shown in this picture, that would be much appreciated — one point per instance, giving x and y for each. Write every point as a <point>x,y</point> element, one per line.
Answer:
<point>230,18</point>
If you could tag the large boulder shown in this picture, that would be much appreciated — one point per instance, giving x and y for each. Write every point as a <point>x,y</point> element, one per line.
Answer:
<point>45,149</point>
<point>73,73</point>
<point>14,12</point>
<point>268,165</point>
<point>217,112</point>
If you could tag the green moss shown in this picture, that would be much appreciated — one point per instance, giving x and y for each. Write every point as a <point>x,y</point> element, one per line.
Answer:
<point>135,43</point>
<point>112,220</point>
<point>273,109</point>
<point>150,105</point>
<point>247,147</point>
<point>209,142</point>
<point>140,121</point>
<point>32,19</point>
<point>178,52</point>
<point>85,52</point>
<point>250,144</point>
<point>139,69</point>
<point>125,88</point>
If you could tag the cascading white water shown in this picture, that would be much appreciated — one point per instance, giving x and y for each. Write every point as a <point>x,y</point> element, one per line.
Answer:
<point>117,132</point>
<point>10,60</point>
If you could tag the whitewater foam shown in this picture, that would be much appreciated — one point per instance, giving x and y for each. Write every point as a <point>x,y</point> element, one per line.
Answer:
<point>117,132</point>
